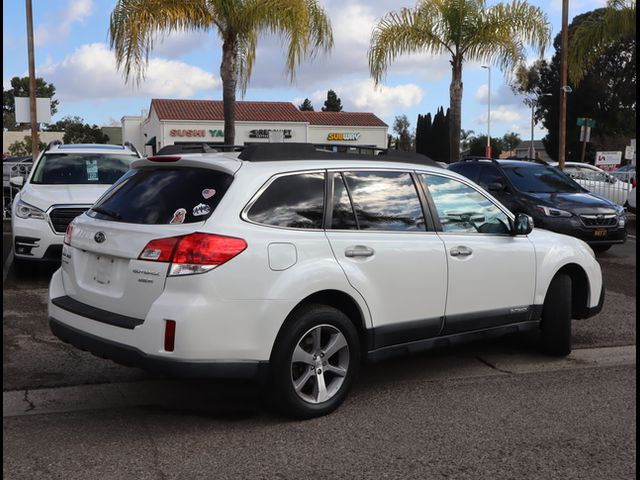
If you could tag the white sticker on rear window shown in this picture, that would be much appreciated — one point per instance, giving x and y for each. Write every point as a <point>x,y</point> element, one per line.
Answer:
<point>208,193</point>
<point>92,170</point>
<point>178,216</point>
<point>201,209</point>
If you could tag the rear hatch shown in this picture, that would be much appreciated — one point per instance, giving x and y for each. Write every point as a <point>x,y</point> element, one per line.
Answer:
<point>100,260</point>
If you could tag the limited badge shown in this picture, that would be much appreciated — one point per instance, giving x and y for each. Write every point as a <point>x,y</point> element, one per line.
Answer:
<point>208,193</point>
<point>178,216</point>
<point>201,209</point>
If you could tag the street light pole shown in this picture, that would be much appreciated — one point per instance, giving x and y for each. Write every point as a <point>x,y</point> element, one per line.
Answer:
<point>487,151</point>
<point>564,88</point>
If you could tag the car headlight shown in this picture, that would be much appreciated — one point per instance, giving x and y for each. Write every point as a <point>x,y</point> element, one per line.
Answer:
<point>24,210</point>
<point>554,212</point>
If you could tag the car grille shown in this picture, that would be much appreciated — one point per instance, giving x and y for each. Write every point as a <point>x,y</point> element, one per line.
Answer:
<point>599,220</point>
<point>61,217</point>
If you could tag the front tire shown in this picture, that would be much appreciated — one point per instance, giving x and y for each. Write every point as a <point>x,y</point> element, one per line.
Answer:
<point>555,327</point>
<point>601,248</point>
<point>315,360</point>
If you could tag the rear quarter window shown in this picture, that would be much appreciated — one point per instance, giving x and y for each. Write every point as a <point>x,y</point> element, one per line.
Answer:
<point>153,195</point>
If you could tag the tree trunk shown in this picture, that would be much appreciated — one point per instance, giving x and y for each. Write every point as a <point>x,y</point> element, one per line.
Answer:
<point>229,76</point>
<point>455,99</point>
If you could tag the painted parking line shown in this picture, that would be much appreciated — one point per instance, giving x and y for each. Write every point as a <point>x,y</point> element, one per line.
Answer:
<point>158,392</point>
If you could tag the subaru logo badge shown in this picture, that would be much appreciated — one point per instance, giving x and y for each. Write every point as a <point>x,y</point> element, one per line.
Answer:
<point>99,237</point>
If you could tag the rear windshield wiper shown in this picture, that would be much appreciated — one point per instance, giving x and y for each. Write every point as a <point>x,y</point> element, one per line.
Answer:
<point>107,211</point>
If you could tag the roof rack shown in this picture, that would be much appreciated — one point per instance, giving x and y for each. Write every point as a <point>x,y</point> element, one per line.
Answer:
<point>132,147</point>
<point>476,159</point>
<point>528,159</point>
<point>267,152</point>
<point>197,148</point>
<point>51,144</point>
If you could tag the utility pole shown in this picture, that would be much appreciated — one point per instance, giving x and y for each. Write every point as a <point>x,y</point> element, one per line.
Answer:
<point>564,87</point>
<point>487,150</point>
<point>32,84</point>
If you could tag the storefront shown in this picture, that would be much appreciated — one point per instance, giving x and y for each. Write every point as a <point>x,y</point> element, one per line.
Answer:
<point>201,121</point>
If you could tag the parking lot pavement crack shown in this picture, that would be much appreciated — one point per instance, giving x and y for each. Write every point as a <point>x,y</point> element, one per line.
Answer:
<point>492,366</point>
<point>32,405</point>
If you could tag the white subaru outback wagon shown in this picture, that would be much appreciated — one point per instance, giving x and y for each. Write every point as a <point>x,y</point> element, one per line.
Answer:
<point>64,182</point>
<point>292,265</point>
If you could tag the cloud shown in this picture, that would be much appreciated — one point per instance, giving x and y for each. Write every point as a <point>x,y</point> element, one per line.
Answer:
<point>58,30</point>
<point>362,95</point>
<point>177,44</point>
<point>90,73</point>
<point>503,95</point>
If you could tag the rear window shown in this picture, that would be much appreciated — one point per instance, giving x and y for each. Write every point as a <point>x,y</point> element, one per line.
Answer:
<point>163,196</point>
<point>541,179</point>
<point>80,169</point>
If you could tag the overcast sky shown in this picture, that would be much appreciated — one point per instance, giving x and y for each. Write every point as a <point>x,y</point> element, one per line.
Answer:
<point>72,52</point>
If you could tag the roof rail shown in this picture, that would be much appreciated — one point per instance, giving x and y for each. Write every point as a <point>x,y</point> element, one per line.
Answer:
<point>529,159</point>
<point>197,148</point>
<point>133,148</point>
<point>476,159</point>
<point>51,144</point>
<point>265,152</point>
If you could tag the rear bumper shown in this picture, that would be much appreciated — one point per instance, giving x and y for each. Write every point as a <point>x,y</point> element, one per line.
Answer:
<point>593,311</point>
<point>130,356</point>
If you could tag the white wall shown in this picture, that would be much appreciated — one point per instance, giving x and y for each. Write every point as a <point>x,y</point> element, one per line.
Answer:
<point>132,131</point>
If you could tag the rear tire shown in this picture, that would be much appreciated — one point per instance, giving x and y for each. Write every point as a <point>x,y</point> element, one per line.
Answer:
<point>315,360</point>
<point>555,327</point>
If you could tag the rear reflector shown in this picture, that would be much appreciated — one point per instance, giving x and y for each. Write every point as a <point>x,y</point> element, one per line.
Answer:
<point>169,335</point>
<point>164,158</point>
<point>193,251</point>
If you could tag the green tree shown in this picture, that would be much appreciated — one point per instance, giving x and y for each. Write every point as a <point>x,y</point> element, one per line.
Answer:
<point>76,131</point>
<point>465,138</point>
<point>423,133</point>
<point>401,127</point>
<point>467,30</point>
<point>597,34</point>
<point>332,103</point>
<point>306,106</point>
<point>510,140</point>
<point>20,88</point>
<point>303,25</point>
<point>478,144</point>
<point>606,94</point>
<point>23,148</point>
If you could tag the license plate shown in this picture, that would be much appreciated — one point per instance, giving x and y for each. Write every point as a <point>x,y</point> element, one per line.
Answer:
<point>600,232</point>
<point>103,269</point>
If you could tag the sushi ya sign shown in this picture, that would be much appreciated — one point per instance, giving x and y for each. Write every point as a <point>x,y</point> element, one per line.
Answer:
<point>198,133</point>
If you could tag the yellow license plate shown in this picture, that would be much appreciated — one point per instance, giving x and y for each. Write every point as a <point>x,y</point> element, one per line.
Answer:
<point>600,232</point>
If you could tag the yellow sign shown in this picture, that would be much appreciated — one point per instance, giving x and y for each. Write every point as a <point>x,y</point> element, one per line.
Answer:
<point>343,137</point>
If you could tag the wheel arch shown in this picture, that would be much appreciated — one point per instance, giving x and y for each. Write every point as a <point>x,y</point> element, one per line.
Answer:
<point>580,289</point>
<point>340,301</point>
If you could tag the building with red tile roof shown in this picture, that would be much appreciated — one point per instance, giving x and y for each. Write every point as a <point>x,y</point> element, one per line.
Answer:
<point>202,121</point>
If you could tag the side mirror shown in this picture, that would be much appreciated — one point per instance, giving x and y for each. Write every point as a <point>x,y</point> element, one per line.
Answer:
<point>16,182</point>
<point>523,224</point>
<point>496,187</point>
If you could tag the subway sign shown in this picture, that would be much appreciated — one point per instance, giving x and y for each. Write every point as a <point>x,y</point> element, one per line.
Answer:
<point>343,137</point>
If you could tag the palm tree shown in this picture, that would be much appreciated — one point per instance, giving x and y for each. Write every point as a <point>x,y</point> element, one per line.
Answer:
<point>464,29</point>
<point>135,25</point>
<point>599,32</point>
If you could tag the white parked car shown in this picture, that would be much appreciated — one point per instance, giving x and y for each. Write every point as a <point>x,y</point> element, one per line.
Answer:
<point>64,182</point>
<point>598,181</point>
<point>292,265</point>
<point>631,201</point>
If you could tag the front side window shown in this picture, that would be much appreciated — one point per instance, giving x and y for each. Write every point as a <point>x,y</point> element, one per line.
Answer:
<point>462,209</point>
<point>292,201</point>
<point>385,201</point>
<point>80,169</point>
<point>343,217</point>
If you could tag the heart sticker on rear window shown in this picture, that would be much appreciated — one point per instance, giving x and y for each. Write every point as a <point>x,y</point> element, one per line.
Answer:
<point>208,193</point>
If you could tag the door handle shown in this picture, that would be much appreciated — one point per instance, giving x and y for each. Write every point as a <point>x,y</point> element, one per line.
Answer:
<point>358,251</point>
<point>461,251</point>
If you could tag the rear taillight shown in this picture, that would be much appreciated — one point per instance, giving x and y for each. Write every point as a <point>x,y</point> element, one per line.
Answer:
<point>195,253</point>
<point>67,234</point>
<point>633,183</point>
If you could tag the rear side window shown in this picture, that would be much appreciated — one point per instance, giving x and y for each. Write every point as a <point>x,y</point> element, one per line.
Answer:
<point>163,196</point>
<point>292,201</point>
<point>468,169</point>
<point>385,201</point>
<point>80,168</point>
<point>490,174</point>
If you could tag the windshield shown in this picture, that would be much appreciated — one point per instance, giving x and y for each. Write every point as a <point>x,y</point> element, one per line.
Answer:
<point>541,179</point>
<point>81,168</point>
